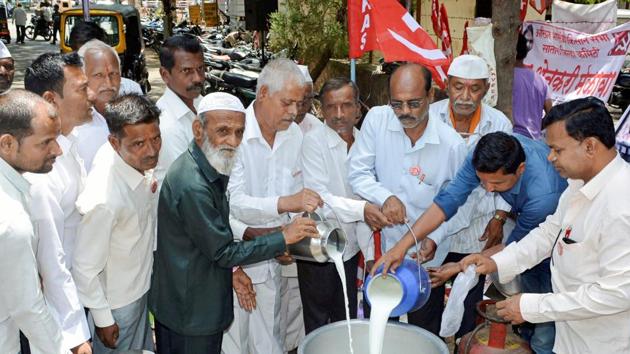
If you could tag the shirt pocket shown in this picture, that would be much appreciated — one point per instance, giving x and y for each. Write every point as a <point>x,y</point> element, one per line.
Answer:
<point>292,180</point>
<point>570,258</point>
<point>420,193</point>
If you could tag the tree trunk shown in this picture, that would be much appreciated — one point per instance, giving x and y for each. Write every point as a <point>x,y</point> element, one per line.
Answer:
<point>505,22</point>
<point>168,18</point>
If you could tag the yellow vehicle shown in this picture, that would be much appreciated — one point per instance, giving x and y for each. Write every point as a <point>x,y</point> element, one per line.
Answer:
<point>123,32</point>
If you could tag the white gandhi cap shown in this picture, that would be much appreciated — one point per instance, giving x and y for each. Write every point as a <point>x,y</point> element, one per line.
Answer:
<point>220,101</point>
<point>469,67</point>
<point>4,52</point>
<point>307,75</point>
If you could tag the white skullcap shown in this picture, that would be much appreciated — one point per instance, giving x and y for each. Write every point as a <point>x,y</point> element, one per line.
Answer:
<point>307,75</point>
<point>4,52</point>
<point>469,67</point>
<point>220,101</point>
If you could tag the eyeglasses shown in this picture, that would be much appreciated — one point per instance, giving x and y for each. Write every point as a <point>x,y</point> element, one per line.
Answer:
<point>412,104</point>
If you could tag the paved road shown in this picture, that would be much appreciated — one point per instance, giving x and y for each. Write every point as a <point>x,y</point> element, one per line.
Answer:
<point>25,54</point>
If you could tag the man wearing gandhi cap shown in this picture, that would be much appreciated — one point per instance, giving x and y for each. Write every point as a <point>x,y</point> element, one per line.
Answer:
<point>7,68</point>
<point>479,223</point>
<point>191,292</point>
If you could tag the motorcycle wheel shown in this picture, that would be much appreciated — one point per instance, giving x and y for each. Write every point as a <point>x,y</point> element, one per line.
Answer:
<point>29,32</point>
<point>47,34</point>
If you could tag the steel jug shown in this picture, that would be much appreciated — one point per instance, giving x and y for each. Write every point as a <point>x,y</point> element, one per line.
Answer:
<point>332,241</point>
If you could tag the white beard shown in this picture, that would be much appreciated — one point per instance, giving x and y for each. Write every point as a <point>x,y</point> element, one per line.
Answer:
<point>221,157</point>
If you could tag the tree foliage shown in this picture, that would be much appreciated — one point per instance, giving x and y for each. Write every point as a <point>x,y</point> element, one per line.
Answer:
<point>312,30</point>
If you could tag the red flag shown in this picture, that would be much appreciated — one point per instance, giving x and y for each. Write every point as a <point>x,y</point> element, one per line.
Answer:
<point>387,26</point>
<point>435,17</point>
<point>523,9</point>
<point>539,5</point>
<point>445,35</point>
<point>465,40</point>
<point>360,29</point>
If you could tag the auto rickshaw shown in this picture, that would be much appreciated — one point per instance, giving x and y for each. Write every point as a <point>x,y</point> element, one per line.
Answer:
<point>4,23</point>
<point>123,32</point>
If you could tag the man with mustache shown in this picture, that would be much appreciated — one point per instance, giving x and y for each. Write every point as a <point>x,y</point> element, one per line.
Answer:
<point>401,159</point>
<point>191,292</point>
<point>102,68</point>
<point>304,119</point>
<point>29,128</point>
<point>324,155</point>
<point>59,79</point>
<point>479,223</point>
<point>516,167</point>
<point>587,237</point>
<point>265,187</point>
<point>183,71</point>
<point>7,68</point>
<point>115,240</point>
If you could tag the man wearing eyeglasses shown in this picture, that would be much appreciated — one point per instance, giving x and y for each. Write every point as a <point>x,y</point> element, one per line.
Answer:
<point>304,119</point>
<point>587,238</point>
<point>478,224</point>
<point>401,158</point>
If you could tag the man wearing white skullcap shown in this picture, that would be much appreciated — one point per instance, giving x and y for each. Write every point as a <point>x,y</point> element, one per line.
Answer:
<point>191,292</point>
<point>475,226</point>
<point>7,68</point>
<point>305,120</point>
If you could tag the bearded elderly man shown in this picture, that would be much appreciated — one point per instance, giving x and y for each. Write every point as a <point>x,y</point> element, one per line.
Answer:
<point>265,186</point>
<point>401,159</point>
<point>194,237</point>
<point>479,223</point>
<point>102,68</point>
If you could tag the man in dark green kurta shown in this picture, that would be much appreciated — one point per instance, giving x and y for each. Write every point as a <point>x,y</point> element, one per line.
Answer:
<point>191,291</point>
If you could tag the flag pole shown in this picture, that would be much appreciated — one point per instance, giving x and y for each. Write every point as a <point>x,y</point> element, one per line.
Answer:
<point>353,70</point>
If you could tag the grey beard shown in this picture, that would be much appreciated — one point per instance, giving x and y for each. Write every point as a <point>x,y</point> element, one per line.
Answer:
<point>221,157</point>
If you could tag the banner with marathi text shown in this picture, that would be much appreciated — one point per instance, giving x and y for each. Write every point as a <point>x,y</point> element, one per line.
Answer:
<point>576,64</point>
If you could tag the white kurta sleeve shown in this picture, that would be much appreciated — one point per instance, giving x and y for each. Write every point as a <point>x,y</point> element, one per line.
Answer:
<point>317,178</point>
<point>60,291</point>
<point>21,294</point>
<point>361,166</point>
<point>90,257</point>
<point>245,207</point>
<point>609,295</point>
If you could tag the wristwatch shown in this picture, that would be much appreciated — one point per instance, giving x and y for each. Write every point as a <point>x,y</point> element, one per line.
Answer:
<point>499,218</point>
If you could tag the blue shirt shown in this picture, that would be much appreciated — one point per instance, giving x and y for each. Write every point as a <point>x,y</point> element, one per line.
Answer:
<point>534,196</point>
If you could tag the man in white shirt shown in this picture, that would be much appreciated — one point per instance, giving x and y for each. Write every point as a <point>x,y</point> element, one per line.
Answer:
<point>587,238</point>
<point>102,68</point>
<point>291,316</point>
<point>400,160</point>
<point>59,79</point>
<point>28,129</point>
<point>324,157</point>
<point>183,71</point>
<point>265,186</point>
<point>114,247</point>
<point>478,224</point>
<point>304,119</point>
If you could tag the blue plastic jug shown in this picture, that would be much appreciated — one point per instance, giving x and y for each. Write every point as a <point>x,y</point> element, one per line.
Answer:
<point>414,281</point>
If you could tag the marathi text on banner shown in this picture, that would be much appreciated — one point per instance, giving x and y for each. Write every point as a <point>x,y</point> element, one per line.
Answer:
<point>576,64</point>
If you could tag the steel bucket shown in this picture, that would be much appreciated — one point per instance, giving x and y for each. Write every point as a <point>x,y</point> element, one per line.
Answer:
<point>399,338</point>
<point>332,240</point>
<point>508,289</point>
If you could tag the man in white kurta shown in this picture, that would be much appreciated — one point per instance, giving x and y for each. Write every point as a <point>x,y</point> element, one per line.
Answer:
<point>265,185</point>
<point>22,305</point>
<point>587,238</point>
<point>401,159</point>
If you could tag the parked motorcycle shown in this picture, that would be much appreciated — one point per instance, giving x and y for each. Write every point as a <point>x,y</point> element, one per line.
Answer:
<point>37,28</point>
